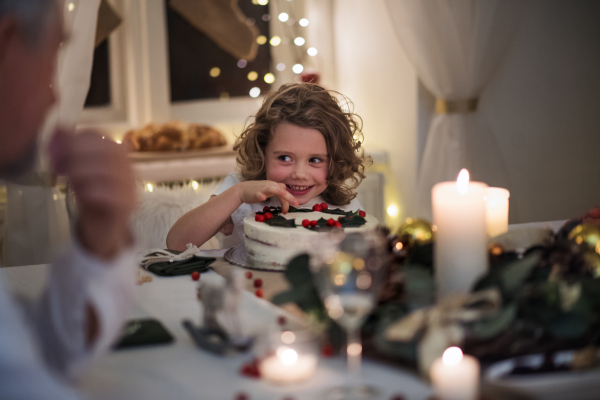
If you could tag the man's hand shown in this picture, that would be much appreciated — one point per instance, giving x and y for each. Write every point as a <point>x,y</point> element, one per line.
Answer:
<point>257,191</point>
<point>104,186</point>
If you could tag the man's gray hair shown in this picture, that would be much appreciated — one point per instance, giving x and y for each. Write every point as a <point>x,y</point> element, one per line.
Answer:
<point>33,16</point>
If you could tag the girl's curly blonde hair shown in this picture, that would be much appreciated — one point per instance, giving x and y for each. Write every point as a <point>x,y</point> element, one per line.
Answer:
<point>309,106</point>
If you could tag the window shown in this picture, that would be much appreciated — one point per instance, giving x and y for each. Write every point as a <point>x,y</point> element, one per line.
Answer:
<point>199,69</point>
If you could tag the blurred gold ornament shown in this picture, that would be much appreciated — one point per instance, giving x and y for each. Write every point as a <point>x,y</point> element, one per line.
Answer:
<point>592,259</point>
<point>496,249</point>
<point>418,231</point>
<point>586,235</point>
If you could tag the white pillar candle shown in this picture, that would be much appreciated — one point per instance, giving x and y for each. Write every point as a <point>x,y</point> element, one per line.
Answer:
<point>455,376</point>
<point>461,238</point>
<point>288,366</point>
<point>496,205</point>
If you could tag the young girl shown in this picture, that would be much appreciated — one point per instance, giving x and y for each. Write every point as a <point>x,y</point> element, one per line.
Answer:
<point>301,149</point>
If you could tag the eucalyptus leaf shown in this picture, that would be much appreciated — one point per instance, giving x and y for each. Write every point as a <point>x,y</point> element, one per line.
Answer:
<point>568,325</point>
<point>516,273</point>
<point>491,327</point>
<point>298,271</point>
<point>281,222</point>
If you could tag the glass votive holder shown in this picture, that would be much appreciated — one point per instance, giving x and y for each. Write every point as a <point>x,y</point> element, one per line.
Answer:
<point>289,356</point>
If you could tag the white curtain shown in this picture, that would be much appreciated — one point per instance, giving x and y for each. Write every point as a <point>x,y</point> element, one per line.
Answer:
<point>455,46</point>
<point>36,225</point>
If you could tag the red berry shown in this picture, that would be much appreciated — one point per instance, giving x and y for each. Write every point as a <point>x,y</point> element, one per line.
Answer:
<point>362,213</point>
<point>281,320</point>
<point>327,350</point>
<point>259,218</point>
<point>259,293</point>
<point>324,206</point>
<point>249,275</point>
<point>337,224</point>
<point>305,223</point>
<point>268,215</point>
<point>258,283</point>
<point>330,222</point>
<point>195,275</point>
<point>266,208</point>
<point>313,223</point>
<point>317,207</point>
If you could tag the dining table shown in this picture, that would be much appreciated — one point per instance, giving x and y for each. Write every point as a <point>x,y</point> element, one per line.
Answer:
<point>181,370</point>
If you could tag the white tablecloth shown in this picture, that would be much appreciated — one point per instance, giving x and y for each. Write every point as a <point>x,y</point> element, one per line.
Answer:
<point>182,371</point>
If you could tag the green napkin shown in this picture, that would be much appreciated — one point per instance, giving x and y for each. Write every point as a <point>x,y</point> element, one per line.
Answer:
<point>183,267</point>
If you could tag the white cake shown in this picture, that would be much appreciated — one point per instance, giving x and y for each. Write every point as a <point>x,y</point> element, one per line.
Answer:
<point>274,246</point>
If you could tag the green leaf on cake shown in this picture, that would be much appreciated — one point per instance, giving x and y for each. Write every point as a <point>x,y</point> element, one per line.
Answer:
<point>299,210</point>
<point>352,221</point>
<point>336,211</point>
<point>281,222</point>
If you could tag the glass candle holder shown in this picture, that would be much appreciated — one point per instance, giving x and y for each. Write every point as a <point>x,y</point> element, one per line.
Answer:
<point>289,356</point>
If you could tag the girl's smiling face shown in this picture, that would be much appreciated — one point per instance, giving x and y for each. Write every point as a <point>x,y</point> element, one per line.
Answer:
<point>297,156</point>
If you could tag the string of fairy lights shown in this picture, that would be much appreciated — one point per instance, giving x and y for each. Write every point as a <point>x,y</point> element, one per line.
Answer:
<point>300,49</point>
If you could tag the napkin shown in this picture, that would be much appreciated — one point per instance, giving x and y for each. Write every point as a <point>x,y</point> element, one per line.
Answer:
<point>182,267</point>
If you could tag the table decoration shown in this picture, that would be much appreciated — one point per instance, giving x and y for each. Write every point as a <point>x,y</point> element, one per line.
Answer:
<point>461,238</point>
<point>455,376</point>
<point>291,356</point>
<point>221,330</point>
<point>496,211</point>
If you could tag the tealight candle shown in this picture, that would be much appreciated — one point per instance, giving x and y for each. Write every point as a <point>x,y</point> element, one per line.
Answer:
<point>288,366</point>
<point>496,208</point>
<point>455,376</point>
<point>461,239</point>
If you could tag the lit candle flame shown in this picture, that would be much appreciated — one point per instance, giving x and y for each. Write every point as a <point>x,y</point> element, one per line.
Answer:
<point>462,182</point>
<point>452,356</point>
<point>289,356</point>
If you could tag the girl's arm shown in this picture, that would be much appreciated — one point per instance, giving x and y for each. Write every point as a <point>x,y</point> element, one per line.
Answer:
<point>203,222</point>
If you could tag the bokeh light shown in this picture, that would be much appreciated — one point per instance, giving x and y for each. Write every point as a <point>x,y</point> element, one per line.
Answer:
<point>312,51</point>
<point>252,75</point>
<point>262,39</point>
<point>280,67</point>
<point>269,78</point>
<point>303,22</point>
<point>275,41</point>
<point>299,41</point>
<point>298,68</point>
<point>283,17</point>
<point>255,92</point>
<point>215,71</point>
<point>242,63</point>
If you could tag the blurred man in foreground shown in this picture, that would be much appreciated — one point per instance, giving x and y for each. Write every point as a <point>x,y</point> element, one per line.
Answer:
<point>45,345</point>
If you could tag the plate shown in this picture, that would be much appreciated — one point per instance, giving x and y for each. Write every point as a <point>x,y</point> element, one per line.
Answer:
<point>580,385</point>
<point>239,256</point>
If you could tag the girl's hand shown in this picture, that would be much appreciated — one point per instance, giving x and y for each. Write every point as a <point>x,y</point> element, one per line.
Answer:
<point>257,191</point>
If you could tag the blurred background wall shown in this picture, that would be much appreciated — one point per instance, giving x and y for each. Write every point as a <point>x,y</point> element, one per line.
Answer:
<point>542,105</point>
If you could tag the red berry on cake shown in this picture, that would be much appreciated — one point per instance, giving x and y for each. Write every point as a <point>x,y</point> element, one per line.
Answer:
<point>195,275</point>
<point>317,207</point>
<point>324,206</point>
<point>259,293</point>
<point>258,282</point>
<point>266,208</point>
<point>313,223</point>
<point>268,215</point>
<point>330,222</point>
<point>259,218</point>
<point>362,213</point>
<point>249,275</point>
<point>305,223</point>
<point>337,224</point>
